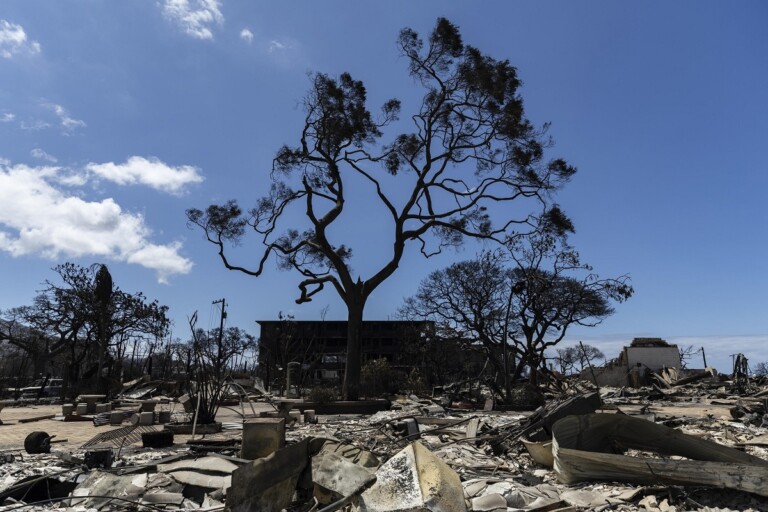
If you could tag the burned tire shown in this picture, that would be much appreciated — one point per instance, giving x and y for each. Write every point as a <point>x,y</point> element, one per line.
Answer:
<point>38,442</point>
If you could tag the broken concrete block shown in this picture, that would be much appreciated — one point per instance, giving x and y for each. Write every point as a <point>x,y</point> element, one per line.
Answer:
<point>148,405</point>
<point>319,446</point>
<point>414,479</point>
<point>262,437</point>
<point>268,484</point>
<point>187,403</point>
<point>143,418</point>
<point>489,503</point>
<point>584,499</point>
<point>338,475</point>
<point>162,498</point>
<point>200,479</point>
<point>102,485</point>
<point>408,428</point>
<point>340,469</point>
<point>102,408</point>
<point>210,472</point>
<point>116,418</point>
<point>159,439</point>
<point>82,409</point>
<point>209,464</point>
<point>99,458</point>
<point>309,416</point>
<point>67,409</point>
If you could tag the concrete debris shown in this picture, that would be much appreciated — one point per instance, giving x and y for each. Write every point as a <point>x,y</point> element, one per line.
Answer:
<point>102,458</point>
<point>414,480</point>
<point>210,472</point>
<point>686,441</point>
<point>262,437</point>
<point>268,484</point>
<point>489,503</point>
<point>339,470</point>
<point>99,488</point>
<point>336,477</point>
<point>203,464</point>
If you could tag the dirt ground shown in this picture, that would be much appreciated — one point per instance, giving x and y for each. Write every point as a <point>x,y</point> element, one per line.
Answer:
<point>70,435</point>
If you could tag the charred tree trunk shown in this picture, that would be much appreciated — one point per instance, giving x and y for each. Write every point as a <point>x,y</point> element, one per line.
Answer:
<point>103,296</point>
<point>351,388</point>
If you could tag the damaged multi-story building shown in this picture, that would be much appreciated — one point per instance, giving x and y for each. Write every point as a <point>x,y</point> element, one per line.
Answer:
<point>317,348</point>
<point>643,355</point>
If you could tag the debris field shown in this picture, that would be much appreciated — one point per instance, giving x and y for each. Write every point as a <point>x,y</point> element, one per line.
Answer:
<point>695,445</point>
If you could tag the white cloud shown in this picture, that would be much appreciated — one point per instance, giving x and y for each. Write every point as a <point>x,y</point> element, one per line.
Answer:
<point>7,117</point>
<point>275,45</point>
<point>35,125</point>
<point>148,171</point>
<point>67,123</point>
<point>13,40</point>
<point>194,17</point>
<point>246,35</point>
<point>42,155</point>
<point>38,218</point>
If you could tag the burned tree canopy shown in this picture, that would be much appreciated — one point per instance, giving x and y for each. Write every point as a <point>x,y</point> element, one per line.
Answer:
<point>471,165</point>
<point>467,301</point>
<point>554,290</point>
<point>529,304</point>
<point>81,316</point>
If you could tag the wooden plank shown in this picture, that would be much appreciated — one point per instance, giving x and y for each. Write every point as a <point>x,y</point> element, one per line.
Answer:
<point>37,418</point>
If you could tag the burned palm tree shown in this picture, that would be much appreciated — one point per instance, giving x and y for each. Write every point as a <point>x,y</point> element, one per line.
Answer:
<point>102,292</point>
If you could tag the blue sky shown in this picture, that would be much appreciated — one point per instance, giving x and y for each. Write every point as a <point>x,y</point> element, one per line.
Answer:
<point>117,116</point>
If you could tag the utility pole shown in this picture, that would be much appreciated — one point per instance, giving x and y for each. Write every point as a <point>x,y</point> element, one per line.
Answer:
<point>220,337</point>
<point>223,303</point>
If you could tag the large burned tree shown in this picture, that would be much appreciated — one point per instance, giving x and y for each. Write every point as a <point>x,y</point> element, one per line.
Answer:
<point>469,155</point>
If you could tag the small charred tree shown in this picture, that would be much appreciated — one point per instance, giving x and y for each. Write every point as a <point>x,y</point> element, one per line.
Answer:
<point>761,369</point>
<point>577,357</point>
<point>467,301</point>
<point>471,166</point>
<point>38,347</point>
<point>213,354</point>
<point>77,319</point>
<point>553,291</point>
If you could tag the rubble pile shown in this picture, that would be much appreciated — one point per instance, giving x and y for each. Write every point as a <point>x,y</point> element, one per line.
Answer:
<point>671,446</point>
